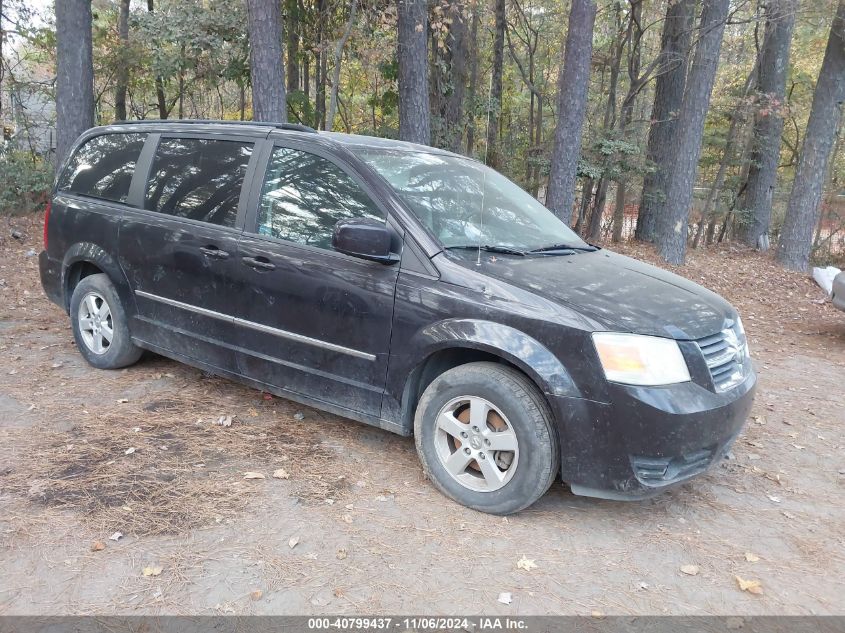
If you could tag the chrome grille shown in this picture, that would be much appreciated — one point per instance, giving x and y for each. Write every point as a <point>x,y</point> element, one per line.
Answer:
<point>725,353</point>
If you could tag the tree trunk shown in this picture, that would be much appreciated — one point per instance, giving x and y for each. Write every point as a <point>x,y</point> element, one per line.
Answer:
<point>494,113</point>
<point>668,94</point>
<point>292,33</point>
<point>635,83</point>
<point>163,111</point>
<point>573,83</point>
<point>828,98</point>
<point>673,221</point>
<point>320,66</point>
<point>74,73</point>
<point>594,228</point>
<point>266,64</point>
<point>338,57</point>
<point>456,42</point>
<point>768,121</point>
<point>122,70</point>
<point>2,65</point>
<point>473,77</point>
<point>414,114</point>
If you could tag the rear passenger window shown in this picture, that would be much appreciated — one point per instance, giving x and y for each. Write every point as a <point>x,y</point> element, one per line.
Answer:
<point>198,179</point>
<point>103,167</point>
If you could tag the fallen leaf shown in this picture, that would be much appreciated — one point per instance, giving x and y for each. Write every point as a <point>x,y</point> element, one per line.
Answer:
<point>98,546</point>
<point>123,401</point>
<point>751,558</point>
<point>116,536</point>
<point>526,563</point>
<point>505,597</point>
<point>129,450</point>
<point>597,614</point>
<point>338,592</point>
<point>773,498</point>
<point>751,586</point>
<point>281,473</point>
<point>788,514</point>
<point>347,518</point>
<point>151,571</point>
<point>256,595</point>
<point>690,570</point>
<point>224,420</point>
<point>341,554</point>
<point>293,541</point>
<point>254,475</point>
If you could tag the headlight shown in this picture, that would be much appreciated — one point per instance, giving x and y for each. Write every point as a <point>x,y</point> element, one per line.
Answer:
<point>633,359</point>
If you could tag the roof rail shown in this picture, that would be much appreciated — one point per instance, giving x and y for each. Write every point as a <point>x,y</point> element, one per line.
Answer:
<point>293,127</point>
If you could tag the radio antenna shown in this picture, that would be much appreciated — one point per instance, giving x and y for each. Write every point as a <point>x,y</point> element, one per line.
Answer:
<point>484,169</point>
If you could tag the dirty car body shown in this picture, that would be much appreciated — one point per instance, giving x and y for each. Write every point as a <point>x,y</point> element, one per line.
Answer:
<point>278,303</point>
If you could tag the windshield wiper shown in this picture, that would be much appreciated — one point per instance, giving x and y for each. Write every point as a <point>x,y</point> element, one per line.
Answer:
<point>589,248</point>
<point>490,248</point>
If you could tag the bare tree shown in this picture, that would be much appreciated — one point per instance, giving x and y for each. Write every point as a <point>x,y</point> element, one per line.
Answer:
<point>668,95</point>
<point>292,35</point>
<point>338,56</point>
<point>122,70</point>
<point>414,115</point>
<point>74,73</point>
<point>573,83</point>
<point>673,223</point>
<point>773,65</point>
<point>828,99</point>
<point>266,65</point>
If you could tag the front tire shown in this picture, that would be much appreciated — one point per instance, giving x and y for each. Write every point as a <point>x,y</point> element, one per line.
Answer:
<point>485,438</point>
<point>100,325</point>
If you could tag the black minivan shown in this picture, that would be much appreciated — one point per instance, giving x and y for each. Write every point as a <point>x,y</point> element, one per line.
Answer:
<point>401,286</point>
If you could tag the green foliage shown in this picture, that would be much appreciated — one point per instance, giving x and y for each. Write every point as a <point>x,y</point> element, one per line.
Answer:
<point>26,182</point>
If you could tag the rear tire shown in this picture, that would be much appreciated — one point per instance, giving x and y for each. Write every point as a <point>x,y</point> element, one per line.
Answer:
<point>469,412</point>
<point>100,326</point>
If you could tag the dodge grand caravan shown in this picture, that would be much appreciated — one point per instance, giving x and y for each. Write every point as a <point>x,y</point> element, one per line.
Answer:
<point>401,286</point>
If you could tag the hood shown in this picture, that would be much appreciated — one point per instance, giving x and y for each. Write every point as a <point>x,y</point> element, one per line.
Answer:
<point>621,293</point>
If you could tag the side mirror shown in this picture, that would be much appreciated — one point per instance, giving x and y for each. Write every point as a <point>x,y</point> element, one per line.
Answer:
<point>364,238</point>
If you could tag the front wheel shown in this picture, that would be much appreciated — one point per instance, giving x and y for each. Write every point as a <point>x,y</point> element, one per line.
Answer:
<point>485,438</point>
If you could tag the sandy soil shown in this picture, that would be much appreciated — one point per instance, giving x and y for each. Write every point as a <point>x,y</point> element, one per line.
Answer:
<point>354,528</point>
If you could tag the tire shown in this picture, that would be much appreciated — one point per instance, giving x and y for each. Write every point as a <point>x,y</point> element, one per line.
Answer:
<point>519,418</point>
<point>92,324</point>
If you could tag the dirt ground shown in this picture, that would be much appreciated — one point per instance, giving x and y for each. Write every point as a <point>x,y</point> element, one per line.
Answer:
<point>349,525</point>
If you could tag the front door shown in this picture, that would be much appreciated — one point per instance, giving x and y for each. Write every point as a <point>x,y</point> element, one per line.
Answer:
<point>180,252</point>
<point>313,321</point>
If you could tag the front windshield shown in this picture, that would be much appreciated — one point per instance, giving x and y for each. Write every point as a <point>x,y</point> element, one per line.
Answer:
<point>448,193</point>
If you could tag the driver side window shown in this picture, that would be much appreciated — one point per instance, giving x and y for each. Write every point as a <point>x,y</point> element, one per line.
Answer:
<point>305,195</point>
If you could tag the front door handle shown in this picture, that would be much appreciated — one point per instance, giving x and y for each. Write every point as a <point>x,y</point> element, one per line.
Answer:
<point>259,263</point>
<point>213,251</point>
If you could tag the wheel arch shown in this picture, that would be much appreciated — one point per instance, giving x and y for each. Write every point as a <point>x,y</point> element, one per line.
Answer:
<point>458,342</point>
<point>84,259</point>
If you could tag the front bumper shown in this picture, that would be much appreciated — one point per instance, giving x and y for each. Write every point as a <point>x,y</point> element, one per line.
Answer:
<point>647,438</point>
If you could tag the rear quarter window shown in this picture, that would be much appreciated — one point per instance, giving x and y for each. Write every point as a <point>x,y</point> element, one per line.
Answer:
<point>103,167</point>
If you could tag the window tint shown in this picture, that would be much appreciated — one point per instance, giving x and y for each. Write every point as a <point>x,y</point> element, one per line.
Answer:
<point>199,179</point>
<point>305,195</point>
<point>103,166</point>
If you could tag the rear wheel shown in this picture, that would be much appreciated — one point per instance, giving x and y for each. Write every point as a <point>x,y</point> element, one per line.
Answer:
<point>99,324</point>
<point>485,438</point>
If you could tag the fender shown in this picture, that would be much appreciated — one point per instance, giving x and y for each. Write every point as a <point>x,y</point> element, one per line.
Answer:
<point>94,254</point>
<point>531,356</point>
